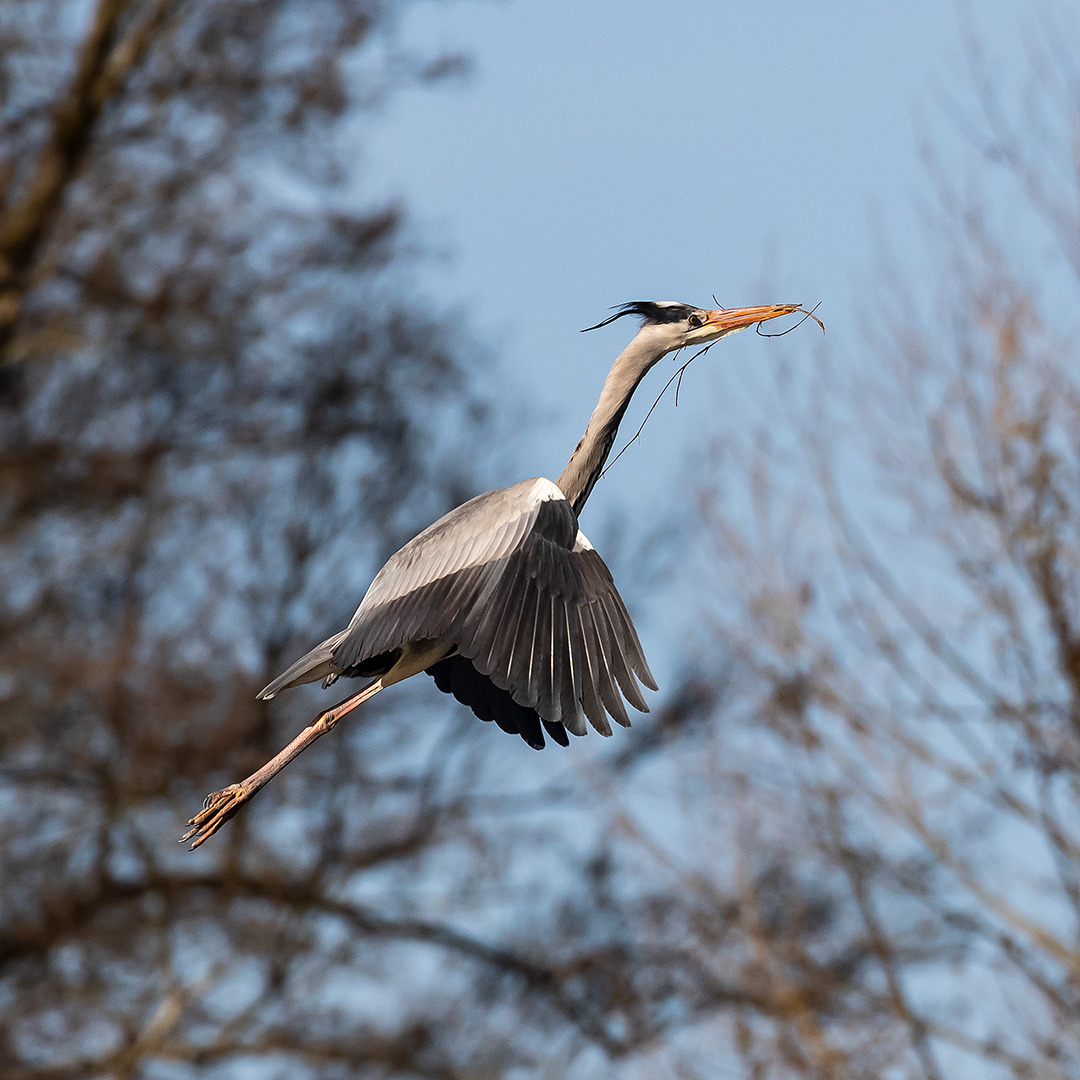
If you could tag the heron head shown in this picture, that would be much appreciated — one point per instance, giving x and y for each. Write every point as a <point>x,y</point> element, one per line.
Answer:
<point>676,326</point>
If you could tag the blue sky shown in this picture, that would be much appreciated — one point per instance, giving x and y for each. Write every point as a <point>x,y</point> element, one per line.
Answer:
<point>604,151</point>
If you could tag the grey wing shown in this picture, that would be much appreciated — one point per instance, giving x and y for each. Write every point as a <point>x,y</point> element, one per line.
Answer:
<point>511,581</point>
<point>554,632</point>
<point>484,529</point>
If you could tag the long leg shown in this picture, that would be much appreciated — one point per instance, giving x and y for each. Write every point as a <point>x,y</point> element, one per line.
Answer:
<point>222,805</point>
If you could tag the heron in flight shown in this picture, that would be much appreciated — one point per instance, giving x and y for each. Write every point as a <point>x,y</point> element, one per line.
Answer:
<point>504,601</point>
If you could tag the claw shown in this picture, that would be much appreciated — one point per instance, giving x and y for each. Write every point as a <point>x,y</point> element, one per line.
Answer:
<point>218,807</point>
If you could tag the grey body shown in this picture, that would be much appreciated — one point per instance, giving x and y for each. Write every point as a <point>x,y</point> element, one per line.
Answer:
<point>504,601</point>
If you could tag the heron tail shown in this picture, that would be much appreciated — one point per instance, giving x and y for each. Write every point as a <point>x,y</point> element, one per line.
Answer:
<point>312,667</point>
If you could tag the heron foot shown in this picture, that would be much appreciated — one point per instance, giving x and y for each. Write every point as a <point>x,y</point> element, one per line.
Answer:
<point>218,807</point>
<point>222,805</point>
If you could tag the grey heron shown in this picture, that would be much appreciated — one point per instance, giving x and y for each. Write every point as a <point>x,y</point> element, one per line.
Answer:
<point>504,601</point>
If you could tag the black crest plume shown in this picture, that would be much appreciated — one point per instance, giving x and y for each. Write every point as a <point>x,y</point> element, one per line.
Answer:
<point>649,311</point>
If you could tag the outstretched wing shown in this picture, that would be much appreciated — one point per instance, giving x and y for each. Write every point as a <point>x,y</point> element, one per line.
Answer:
<point>512,582</point>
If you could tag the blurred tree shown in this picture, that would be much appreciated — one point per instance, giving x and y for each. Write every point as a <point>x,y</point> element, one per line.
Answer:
<point>219,407</point>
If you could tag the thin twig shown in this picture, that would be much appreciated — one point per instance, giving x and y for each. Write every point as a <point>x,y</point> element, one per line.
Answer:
<point>806,315</point>
<point>678,375</point>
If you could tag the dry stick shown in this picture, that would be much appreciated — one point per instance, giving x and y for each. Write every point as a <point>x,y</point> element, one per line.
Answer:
<point>805,315</point>
<point>221,806</point>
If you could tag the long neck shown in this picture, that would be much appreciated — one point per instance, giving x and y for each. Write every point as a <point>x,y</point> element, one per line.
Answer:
<point>587,461</point>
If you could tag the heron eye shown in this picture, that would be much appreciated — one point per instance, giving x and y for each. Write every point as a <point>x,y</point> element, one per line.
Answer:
<point>694,320</point>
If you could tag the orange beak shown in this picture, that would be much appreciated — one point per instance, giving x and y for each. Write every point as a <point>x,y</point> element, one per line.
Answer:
<point>728,320</point>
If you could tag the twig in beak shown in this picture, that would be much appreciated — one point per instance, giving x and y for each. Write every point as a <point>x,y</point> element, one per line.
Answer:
<point>805,315</point>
